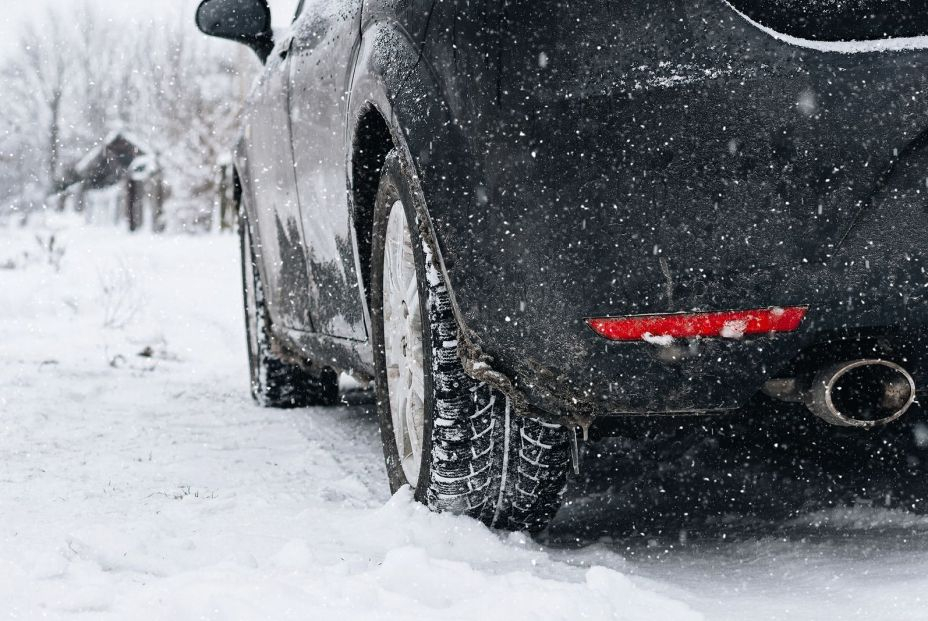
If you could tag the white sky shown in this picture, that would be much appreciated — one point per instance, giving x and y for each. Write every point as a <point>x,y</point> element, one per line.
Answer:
<point>14,12</point>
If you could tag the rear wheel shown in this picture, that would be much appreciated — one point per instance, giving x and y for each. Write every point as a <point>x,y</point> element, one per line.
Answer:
<point>456,441</point>
<point>278,380</point>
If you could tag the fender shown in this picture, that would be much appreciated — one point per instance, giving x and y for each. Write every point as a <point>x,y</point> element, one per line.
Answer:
<point>408,93</point>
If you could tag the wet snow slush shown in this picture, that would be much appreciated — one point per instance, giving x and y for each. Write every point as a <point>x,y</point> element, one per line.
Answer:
<point>138,481</point>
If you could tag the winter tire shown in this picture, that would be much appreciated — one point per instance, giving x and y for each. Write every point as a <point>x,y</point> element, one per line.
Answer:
<point>276,381</point>
<point>456,441</point>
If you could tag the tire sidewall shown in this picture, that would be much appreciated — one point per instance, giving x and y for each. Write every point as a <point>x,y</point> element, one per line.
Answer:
<point>394,187</point>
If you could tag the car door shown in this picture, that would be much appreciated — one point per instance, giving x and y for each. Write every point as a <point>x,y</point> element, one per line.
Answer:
<point>280,239</point>
<point>325,40</point>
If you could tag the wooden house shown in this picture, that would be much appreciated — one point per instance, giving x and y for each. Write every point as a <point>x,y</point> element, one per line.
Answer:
<point>119,182</point>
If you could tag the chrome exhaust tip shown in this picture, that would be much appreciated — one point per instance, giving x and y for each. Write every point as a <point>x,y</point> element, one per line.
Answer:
<point>861,393</point>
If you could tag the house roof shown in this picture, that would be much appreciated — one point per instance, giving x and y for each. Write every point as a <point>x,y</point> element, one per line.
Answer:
<point>99,154</point>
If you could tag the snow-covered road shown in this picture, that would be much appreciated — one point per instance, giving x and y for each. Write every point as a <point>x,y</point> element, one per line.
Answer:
<point>137,481</point>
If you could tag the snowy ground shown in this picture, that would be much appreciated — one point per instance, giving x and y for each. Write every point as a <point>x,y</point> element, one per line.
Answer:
<point>137,481</point>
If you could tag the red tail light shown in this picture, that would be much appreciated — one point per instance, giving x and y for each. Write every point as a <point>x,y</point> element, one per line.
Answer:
<point>727,324</point>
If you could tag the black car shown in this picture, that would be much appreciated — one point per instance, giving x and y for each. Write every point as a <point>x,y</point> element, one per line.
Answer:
<point>520,217</point>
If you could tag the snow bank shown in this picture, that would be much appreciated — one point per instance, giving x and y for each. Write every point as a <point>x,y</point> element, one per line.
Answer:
<point>139,482</point>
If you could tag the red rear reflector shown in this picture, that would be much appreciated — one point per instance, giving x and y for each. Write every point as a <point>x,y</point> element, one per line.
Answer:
<point>727,324</point>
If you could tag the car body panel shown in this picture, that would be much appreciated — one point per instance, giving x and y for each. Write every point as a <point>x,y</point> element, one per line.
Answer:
<point>640,157</point>
<point>681,201</point>
<point>279,235</point>
<point>325,42</point>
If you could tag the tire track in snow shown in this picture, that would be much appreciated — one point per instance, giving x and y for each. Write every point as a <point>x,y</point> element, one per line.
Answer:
<point>351,437</point>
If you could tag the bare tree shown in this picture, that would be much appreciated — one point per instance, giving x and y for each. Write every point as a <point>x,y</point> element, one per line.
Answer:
<point>78,74</point>
<point>101,54</point>
<point>39,74</point>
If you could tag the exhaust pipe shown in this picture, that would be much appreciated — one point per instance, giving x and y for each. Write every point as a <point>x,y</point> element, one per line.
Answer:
<point>860,393</point>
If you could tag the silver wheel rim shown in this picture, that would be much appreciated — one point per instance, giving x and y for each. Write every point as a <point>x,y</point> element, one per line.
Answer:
<point>402,328</point>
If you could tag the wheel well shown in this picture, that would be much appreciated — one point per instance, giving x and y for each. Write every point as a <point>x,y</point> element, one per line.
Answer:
<point>372,143</point>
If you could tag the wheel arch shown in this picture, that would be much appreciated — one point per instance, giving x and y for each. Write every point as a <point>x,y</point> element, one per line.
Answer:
<point>395,87</point>
<point>372,143</point>
<point>397,102</point>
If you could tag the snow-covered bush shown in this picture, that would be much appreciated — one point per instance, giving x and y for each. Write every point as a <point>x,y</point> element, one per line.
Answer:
<point>121,298</point>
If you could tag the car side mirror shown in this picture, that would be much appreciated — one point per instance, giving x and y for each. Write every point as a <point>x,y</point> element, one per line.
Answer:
<point>245,21</point>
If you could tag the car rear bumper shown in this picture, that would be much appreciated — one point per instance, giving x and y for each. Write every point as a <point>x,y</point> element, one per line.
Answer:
<point>869,300</point>
<point>600,377</point>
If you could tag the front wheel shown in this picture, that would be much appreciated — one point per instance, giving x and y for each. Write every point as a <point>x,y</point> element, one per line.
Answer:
<point>456,441</point>
<point>277,380</point>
